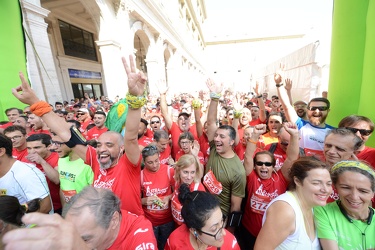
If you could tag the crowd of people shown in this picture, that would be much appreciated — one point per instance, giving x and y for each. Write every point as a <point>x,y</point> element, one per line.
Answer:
<point>207,170</point>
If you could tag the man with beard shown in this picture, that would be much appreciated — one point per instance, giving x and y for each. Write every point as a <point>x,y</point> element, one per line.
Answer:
<point>112,168</point>
<point>301,109</point>
<point>313,131</point>
<point>100,128</point>
<point>74,174</point>
<point>175,129</point>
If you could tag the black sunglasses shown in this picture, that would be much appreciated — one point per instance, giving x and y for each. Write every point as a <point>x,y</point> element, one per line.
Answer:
<point>153,122</point>
<point>321,108</point>
<point>261,163</point>
<point>363,132</point>
<point>148,148</point>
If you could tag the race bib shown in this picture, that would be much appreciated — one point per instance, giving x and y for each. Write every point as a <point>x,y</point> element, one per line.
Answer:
<point>68,194</point>
<point>212,184</point>
<point>258,204</point>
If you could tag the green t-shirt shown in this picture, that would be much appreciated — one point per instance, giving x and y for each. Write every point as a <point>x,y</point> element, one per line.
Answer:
<point>333,225</point>
<point>231,173</point>
<point>74,176</point>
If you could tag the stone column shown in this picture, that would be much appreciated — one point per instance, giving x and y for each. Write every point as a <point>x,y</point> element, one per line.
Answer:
<point>41,66</point>
<point>114,75</point>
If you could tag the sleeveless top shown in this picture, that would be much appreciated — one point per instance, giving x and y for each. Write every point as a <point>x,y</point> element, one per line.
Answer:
<point>299,240</point>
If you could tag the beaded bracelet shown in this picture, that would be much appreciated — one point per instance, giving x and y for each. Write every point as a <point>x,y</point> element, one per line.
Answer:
<point>40,108</point>
<point>196,104</point>
<point>135,102</point>
<point>237,114</point>
<point>215,96</point>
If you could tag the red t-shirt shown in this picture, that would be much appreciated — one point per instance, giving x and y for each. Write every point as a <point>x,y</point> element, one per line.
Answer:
<point>8,124</point>
<point>175,132</point>
<point>19,155</point>
<point>95,132</point>
<point>260,194</point>
<point>135,233</point>
<point>144,141</point>
<point>149,133</point>
<point>41,131</point>
<point>164,156</point>
<point>123,179</point>
<point>368,155</point>
<point>157,184</point>
<point>180,239</point>
<point>240,150</point>
<point>334,195</point>
<point>256,122</point>
<point>176,205</point>
<point>205,147</point>
<point>84,125</point>
<point>181,153</point>
<point>54,189</point>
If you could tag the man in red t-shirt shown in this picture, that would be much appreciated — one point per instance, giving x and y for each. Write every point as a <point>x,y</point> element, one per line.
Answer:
<point>143,140</point>
<point>100,128</point>
<point>83,116</point>
<point>47,162</point>
<point>113,169</point>
<point>93,220</point>
<point>161,140</point>
<point>12,114</point>
<point>38,126</point>
<point>18,136</point>
<point>175,129</point>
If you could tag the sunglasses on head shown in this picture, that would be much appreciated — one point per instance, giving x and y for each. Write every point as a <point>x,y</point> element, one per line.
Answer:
<point>153,122</point>
<point>261,163</point>
<point>363,132</point>
<point>320,108</point>
<point>148,148</point>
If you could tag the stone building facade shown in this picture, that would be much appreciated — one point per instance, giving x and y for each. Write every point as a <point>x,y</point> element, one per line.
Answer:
<point>75,46</point>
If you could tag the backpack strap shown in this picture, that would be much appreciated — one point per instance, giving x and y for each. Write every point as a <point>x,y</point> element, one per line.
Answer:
<point>272,148</point>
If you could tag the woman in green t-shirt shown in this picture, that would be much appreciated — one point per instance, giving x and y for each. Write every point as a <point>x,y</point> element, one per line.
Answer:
<point>349,222</point>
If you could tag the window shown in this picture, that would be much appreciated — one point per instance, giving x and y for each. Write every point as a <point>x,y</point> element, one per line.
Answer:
<point>92,89</point>
<point>77,42</point>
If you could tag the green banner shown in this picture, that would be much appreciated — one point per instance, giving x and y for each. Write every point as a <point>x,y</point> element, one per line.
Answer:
<point>351,83</point>
<point>13,54</point>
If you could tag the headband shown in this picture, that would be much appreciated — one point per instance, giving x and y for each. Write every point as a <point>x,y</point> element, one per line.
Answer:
<point>354,164</point>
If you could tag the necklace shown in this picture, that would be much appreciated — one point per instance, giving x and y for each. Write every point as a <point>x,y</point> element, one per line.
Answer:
<point>307,215</point>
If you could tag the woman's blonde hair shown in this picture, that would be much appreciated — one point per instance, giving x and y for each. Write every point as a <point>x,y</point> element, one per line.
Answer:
<point>186,161</point>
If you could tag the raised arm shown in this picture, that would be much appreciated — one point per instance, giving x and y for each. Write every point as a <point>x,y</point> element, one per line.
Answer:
<point>262,107</point>
<point>237,112</point>
<point>251,146</point>
<point>290,113</point>
<point>292,152</point>
<point>87,97</point>
<point>197,106</point>
<point>163,104</point>
<point>288,88</point>
<point>135,99</point>
<point>215,93</point>
<point>40,108</point>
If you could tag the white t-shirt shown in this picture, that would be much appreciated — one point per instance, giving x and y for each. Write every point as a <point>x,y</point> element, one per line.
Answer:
<point>25,182</point>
